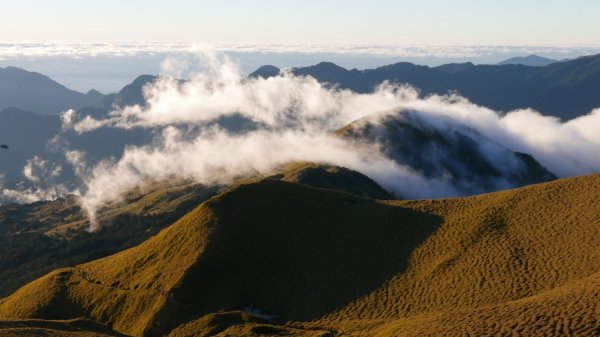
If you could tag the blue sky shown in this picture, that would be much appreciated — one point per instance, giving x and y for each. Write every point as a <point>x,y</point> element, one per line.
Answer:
<point>436,22</point>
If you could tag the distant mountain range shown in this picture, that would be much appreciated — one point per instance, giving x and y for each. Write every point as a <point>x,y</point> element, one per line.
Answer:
<point>131,94</point>
<point>32,91</point>
<point>565,89</point>
<point>531,60</point>
<point>30,135</point>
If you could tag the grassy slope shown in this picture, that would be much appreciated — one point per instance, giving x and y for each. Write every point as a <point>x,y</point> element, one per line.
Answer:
<point>38,238</point>
<point>333,178</point>
<point>523,261</point>
<point>65,328</point>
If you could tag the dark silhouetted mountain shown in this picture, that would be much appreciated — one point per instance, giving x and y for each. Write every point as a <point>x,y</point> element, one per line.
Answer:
<point>327,72</point>
<point>452,68</point>
<point>564,89</point>
<point>266,71</point>
<point>35,92</point>
<point>27,134</point>
<point>95,95</point>
<point>131,94</point>
<point>461,158</point>
<point>531,60</point>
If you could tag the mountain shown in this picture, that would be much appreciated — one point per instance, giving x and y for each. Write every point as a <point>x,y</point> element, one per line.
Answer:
<point>35,92</point>
<point>265,71</point>
<point>131,94</point>
<point>36,238</point>
<point>531,60</point>
<point>414,143</point>
<point>27,135</point>
<point>68,328</point>
<point>32,136</point>
<point>332,178</point>
<point>464,160</point>
<point>277,258</point>
<point>565,89</point>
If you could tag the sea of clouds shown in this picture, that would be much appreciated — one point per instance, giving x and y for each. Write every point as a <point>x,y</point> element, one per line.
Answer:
<point>13,49</point>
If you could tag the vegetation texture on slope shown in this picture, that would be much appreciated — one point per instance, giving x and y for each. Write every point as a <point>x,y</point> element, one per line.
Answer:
<point>322,263</point>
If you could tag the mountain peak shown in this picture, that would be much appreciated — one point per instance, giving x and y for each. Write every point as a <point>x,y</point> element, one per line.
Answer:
<point>452,68</point>
<point>38,93</point>
<point>325,66</point>
<point>530,60</point>
<point>266,71</point>
<point>94,94</point>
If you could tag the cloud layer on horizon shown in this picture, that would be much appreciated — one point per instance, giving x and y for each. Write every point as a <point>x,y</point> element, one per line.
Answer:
<point>78,49</point>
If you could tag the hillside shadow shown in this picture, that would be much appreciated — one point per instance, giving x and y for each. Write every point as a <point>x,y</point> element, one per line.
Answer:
<point>300,253</point>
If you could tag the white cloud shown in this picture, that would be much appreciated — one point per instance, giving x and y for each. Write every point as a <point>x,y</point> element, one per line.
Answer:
<point>37,170</point>
<point>24,195</point>
<point>288,118</point>
<point>292,119</point>
<point>10,49</point>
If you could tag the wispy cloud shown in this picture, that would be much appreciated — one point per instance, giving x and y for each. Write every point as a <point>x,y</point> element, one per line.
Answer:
<point>294,118</point>
<point>291,118</point>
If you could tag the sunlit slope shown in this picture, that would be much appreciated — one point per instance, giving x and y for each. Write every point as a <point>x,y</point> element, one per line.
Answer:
<point>268,259</point>
<point>124,290</point>
<point>38,238</point>
<point>523,261</point>
<point>66,328</point>
<point>569,310</point>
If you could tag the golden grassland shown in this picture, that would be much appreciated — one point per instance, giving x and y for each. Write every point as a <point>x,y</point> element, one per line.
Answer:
<point>517,262</point>
<point>38,238</point>
<point>59,328</point>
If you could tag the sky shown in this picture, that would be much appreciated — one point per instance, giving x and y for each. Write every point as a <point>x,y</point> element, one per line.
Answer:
<point>105,44</point>
<point>430,22</point>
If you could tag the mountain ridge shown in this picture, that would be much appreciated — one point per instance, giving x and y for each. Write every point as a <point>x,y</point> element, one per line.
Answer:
<point>530,60</point>
<point>36,238</point>
<point>565,89</point>
<point>35,92</point>
<point>416,267</point>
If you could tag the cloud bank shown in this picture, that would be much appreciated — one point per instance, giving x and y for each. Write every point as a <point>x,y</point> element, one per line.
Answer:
<point>220,125</point>
<point>78,49</point>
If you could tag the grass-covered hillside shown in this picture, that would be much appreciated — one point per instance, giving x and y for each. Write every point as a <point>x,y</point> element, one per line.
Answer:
<point>37,238</point>
<point>276,258</point>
